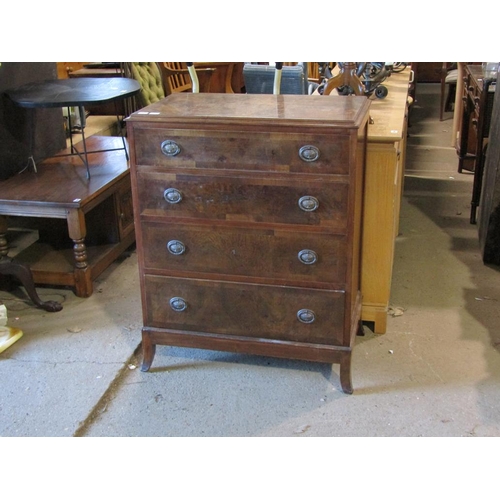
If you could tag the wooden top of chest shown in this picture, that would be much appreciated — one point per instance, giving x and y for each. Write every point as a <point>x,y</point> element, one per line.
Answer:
<point>262,110</point>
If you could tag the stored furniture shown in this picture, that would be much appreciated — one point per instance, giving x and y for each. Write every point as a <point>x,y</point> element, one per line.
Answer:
<point>346,77</point>
<point>478,96</point>
<point>384,179</point>
<point>22,272</point>
<point>176,77</point>
<point>387,133</point>
<point>227,77</point>
<point>248,219</point>
<point>16,145</point>
<point>259,79</point>
<point>427,72</point>
<point>149,77</point>
<point>489,203</point>
<point>77,92</point>
<point>96,71</point>
<point>65,68</point>
<point>83,224</point>
<point>449,78</point>
<point>19,137</point>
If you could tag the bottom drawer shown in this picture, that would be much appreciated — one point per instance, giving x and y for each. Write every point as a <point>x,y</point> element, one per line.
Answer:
<point>257,311</point>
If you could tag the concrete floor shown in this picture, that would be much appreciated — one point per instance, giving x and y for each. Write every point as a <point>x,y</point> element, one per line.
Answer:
<point>436,371</point>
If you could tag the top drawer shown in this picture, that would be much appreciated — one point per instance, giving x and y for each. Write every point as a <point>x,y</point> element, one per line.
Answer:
<point>199,149</point>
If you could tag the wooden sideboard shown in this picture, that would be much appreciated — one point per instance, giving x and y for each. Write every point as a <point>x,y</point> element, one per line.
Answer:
<point>384,177</point>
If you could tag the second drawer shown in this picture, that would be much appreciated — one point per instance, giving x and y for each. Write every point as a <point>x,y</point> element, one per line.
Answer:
<point>269,199</point>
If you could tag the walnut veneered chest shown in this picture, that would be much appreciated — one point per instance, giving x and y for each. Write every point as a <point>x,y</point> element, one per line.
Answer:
<point>248,216</point>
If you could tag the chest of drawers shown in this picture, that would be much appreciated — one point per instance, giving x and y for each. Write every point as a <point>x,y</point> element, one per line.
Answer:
<point>248,219</point>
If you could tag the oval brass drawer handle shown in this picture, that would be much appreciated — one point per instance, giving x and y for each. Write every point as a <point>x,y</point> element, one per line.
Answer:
<point>309,153</point>
<point>172,195</point>
<point>176,247</point>
<point>308,203</point>
<point>306,316</point>
<point>178,304</point>
<point>170,148</point>
<point>307,256</point>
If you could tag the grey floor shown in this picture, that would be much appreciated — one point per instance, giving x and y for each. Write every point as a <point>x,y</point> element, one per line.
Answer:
<point>436,371</point>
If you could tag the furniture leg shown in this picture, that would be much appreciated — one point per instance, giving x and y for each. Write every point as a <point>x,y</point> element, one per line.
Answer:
<point>23,273</point>
<point>361,330</point>
<point>81,110</point>
<point>380,322</point>
<point>122,133</point>
<point>345,373</point>
<point>459,104</point>
<point>464,136</point>
<point>477,184</point>
<point>77,232</point>
<point>149,350</point>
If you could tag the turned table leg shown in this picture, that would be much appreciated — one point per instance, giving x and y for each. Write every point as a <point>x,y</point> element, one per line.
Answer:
<point>82,273</point>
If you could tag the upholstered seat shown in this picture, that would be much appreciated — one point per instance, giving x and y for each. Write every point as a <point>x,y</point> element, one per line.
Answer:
<point>149,77</point>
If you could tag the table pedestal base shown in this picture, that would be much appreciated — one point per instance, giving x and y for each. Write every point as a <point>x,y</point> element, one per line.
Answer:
<point>23,273</point>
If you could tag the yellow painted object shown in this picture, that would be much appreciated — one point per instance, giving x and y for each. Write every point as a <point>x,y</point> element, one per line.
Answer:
<point>8,335</point>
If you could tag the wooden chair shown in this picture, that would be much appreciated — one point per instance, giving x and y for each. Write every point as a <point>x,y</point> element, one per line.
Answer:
<point>176,77</point>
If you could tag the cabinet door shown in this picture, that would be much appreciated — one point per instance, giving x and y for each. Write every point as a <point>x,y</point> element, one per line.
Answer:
<point>124,207</point>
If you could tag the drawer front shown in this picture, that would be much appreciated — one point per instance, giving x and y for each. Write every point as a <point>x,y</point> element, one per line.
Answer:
<point>226,150</point>
<point>292,314</point>
<point>245,252</point>
<point>249,199</point>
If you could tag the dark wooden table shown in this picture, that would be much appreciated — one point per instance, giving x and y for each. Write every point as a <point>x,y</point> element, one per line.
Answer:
<point>96,71</point>
<point>75,92</point>
<point>83,224</point>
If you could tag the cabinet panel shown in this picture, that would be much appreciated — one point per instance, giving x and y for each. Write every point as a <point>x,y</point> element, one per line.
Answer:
<point>124,208</point>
